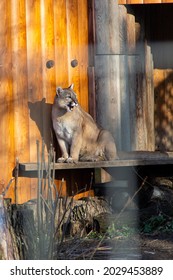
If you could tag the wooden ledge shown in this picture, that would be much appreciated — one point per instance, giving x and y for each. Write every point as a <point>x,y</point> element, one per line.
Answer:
<point>102,164</point>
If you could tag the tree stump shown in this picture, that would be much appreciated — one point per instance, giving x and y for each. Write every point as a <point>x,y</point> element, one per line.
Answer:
<point>8,244</point>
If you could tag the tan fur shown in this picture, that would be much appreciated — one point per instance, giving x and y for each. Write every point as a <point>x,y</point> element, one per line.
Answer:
<point>79,137</point>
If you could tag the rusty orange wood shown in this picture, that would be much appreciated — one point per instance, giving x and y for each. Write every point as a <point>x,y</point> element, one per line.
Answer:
<point>32,33</point>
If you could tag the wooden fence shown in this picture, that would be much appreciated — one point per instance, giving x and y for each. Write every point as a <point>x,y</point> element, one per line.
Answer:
<point>123,66</point>
<point>39,40</point>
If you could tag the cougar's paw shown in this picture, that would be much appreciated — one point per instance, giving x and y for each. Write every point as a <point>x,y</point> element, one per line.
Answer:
<point>71,160</point>
<point>61,160</point>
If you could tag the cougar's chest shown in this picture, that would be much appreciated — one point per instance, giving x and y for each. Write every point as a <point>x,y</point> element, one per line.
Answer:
<point>64,129</point>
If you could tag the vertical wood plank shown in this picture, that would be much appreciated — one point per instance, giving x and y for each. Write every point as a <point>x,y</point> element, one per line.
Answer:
<point>91,51</point>
<point>91,32</point>
<point>92,93</point>
<point>6,100</point>
<point>149,106</point>
<point>83,52</point>
<point>61,47</point>
<point>34,69</point>
<point>48,72</point>
<point>132,90</point>
<point>140,106</point>
<point>108,94</point>
<point>73,43</point>
<point>106,18</point>
<point>122,29</point>
<point>125,104</point>
<point>131,36</point>
<point>20,92</point>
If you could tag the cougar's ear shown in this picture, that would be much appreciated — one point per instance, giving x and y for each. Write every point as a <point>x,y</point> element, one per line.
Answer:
<point>71,86</point>
<point>59,90</point>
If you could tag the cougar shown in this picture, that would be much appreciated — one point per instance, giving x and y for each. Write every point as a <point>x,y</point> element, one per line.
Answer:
<point>78,135</point>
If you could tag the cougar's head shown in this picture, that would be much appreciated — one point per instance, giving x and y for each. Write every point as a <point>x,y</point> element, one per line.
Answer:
<point>66,98</point>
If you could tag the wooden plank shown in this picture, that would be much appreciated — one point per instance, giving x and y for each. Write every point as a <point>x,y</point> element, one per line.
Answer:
<point>108,94</point>
<point>106,18</point>
<point>7,160</point>
<point>91,33</point>
<point>92,93</point>
<point>104,164</point>
<point>149,106</point>
<point>132,107</point>
<point>140,91</point>
<point>34,75</point>
<point>19,58</point>
<point>20,90</point>
<point>61,47</point>
<point>125,110</point>
<point>122,29</point>
<point>48,72</point>
<point>131,36</point>
<point>34,68</point>
<point>73,43</point>
<point>83,52</point>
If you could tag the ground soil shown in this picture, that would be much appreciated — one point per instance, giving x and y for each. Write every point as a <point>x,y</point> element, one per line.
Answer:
<point>137,247</point>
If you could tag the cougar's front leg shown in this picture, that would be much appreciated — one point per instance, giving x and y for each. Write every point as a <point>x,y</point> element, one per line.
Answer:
<point>75,149</point>
<point>64,150</point>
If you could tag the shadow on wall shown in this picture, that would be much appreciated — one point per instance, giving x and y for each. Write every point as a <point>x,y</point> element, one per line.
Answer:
<point>164,112</point>
<point>40,113</point>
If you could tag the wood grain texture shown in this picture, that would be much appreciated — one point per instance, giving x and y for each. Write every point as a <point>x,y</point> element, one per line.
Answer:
<point>104,164</point>
<point>7,148</point>
<point>149,109</point>
<point>106,18</point>
<point>32,33</point>
<point>108,94</point>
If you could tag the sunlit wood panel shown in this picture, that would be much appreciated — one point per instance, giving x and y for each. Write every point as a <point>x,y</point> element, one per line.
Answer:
<point>39,39</point>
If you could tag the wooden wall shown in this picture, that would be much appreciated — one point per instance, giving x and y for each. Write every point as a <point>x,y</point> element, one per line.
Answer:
<point>154,46</point>
<point>144,1</point>
<point>32,32</point>
<point>161,38</point>
<point>123,67</point>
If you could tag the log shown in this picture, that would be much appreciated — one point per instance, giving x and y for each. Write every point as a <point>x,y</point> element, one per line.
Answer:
<point>103,221</point>
<point>70,218</point>
<point>8,243</point>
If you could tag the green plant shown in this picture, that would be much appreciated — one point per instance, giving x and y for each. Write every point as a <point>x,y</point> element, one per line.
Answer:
<point>119,230</point>
<point>160,223</point>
